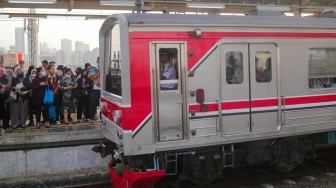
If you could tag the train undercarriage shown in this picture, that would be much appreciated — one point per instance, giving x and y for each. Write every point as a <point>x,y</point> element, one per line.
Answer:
<point>202,166</point>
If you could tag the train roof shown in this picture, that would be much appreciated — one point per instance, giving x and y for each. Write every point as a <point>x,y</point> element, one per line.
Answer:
<point>224,20</point>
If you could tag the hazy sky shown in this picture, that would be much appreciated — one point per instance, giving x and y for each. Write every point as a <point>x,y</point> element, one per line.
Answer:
<point>52,30</point>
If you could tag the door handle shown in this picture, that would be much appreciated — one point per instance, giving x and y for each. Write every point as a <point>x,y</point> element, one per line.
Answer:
<point>283,99</point>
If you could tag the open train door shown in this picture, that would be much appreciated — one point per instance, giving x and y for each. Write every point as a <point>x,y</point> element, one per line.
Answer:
<point>169,110</point>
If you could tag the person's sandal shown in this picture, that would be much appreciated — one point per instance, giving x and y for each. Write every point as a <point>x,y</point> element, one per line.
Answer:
<point>38,125</point>
<point>8,130</point>
<point>47,125</point>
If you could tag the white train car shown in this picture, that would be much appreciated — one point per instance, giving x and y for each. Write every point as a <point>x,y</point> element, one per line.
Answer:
<point>246,90</point>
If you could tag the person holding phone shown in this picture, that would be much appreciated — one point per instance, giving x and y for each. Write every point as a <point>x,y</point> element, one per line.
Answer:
<point>95,93</point>
<point>85,86</point>
<point>69,102</point>
<point>39,85</point>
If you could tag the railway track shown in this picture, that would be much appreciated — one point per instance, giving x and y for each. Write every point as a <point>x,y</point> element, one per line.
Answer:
<point>263,175</point>
<point>106,184</point>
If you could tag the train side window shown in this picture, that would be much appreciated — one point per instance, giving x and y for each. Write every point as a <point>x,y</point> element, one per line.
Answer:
<point>168,69</point>
<point>263,66</point>
<point>234,67</point>
<point>113,76</point>
<point>322,68</point>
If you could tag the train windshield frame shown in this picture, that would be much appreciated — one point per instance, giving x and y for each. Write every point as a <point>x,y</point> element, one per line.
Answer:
<point>114,75</point>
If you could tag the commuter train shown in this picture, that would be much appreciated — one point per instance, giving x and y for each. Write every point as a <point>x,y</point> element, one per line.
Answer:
<point>248,90</point>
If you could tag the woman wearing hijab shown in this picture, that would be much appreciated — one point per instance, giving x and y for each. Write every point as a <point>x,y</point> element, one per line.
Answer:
<point>39,86</point>
<point>85,85</point>
<point>21,86</point>
<point>31,74</point>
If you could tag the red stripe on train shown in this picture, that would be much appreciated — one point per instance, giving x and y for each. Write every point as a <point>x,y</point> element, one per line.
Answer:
<point>216,35</point>
<point>265,103</point>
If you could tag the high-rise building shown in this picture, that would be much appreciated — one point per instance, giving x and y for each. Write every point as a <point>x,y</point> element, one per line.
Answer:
<point>60,57</point>
<point>95,53</point>
<point>53,50</point>
<point>66,46</point>
<point>2,49</point>
<point>80,49</point>
<point>12,48</point>
<point>20,40</point>
<point>44,49</point>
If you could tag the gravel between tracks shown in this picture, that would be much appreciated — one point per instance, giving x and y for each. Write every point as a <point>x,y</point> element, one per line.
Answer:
<point>322,181</point>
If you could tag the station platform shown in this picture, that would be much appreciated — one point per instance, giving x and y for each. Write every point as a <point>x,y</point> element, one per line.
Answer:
<point>55,136</point>
<point>50,152</point>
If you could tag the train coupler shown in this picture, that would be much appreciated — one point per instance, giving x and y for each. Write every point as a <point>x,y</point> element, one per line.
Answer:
<point>104,149</point>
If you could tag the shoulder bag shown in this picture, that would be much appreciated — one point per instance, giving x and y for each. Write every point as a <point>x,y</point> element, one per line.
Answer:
<point>48,96</point>
<point>84,92</point>
<point>75,93</point>
<point>52,112</point>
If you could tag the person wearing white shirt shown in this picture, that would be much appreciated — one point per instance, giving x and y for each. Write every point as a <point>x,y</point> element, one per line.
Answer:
<point>168,72</point>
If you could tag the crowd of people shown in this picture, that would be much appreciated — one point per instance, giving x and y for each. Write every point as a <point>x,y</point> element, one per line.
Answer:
<point>75,95</point>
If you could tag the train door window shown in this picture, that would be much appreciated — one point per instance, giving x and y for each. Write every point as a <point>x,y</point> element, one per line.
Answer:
<point>322,68</point>
<point>168,69</point>
<point>113,78</point>
<point>234,67</point>
<point>263,66</point>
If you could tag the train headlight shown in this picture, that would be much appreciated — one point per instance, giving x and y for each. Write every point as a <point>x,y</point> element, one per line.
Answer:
<point>117,116</point>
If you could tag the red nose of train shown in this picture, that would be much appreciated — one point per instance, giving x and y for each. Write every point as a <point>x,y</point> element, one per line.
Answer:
<point>132,179</point>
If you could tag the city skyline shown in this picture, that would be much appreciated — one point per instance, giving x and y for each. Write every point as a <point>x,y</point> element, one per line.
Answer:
<point>52,31</point>
<point>71,53</point>
<point>67,55</point>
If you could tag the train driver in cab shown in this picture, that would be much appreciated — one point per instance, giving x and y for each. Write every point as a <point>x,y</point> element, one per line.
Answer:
<point>168,71</point>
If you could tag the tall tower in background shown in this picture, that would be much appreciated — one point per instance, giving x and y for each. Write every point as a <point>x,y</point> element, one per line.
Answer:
<point>32,30</point>
<point>20,40</point>
<point>66,46</point>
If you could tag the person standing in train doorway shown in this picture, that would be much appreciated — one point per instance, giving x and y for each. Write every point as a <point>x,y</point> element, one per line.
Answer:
<point>168,71</point>
<point>96,92</point>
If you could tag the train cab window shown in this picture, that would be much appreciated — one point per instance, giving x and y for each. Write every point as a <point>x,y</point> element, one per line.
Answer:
<point>322,68</point>
<point>113,76</point>
<point>168,69</point>
<point>263,66</point>
<point>234,67</point>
